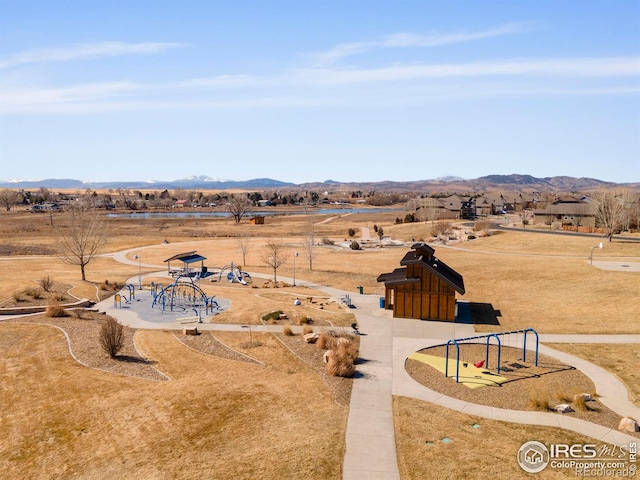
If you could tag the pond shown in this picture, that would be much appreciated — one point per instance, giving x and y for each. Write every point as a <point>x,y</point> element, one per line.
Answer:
<point>219,214</point>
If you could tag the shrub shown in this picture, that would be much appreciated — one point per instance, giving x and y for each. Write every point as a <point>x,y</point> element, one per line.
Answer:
<point>17,297</point>
<point>307,330</point>
<point>111,337</point>
<point>539,400</point>
<point>46,283</point>
<point>352,232</point>
<point>55,311</point>
<point>354,245</point>
<point>303,320</point>
<point>59,297</point>
<point>471,237</point>
<point>327,341</point>
<point>287,331</point>
<point>35,293</point>
<point>328,241</point>
<point>272,316</point>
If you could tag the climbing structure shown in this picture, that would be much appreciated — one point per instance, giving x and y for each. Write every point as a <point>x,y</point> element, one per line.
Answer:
<point>183,294</point>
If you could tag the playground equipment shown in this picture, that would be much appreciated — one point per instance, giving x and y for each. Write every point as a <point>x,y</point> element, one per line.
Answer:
<point>235,275</point>
<point>488,338</point>
<point>182,294</point>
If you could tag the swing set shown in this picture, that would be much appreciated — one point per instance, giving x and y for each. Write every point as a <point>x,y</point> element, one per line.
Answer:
<point>487,339</point>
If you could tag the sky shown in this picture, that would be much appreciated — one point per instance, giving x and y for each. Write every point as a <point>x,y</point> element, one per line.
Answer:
<point>307,91</point>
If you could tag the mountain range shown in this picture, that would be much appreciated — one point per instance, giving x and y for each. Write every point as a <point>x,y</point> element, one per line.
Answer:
<point>517,182</point>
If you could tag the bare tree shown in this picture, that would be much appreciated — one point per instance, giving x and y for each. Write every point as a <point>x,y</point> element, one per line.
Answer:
<point>441,229</point>
<point>309,241</point>
<point>611,212</point>
<point>243,244</point>
<point>239,206</point>
<point>80,236</point>
<point>274,254</point>
<point>111,337</point>
<point>9,198</point>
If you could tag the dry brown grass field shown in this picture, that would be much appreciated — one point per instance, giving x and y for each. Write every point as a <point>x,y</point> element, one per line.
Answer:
<point>487,451</point>
<point>245,421</point>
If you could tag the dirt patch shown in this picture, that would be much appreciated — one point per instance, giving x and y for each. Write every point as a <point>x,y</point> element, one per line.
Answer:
<point>528,387</point>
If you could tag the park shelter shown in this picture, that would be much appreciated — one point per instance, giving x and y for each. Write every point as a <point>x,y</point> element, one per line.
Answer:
<point>423,288</point>
<point>185,261</point>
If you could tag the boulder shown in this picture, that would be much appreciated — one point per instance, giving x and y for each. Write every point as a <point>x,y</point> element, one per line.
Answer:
<point>585,396</point>
<point>629,425</point>
<point>563,408</point>
<point>327,354</point>
<point>310,337</point>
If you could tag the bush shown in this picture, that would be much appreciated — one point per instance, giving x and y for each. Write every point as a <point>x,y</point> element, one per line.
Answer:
<point>55,311</point>
<point>17,297</point>
<point>272,316</point>
<point>328,241</point>
<point>287,331</point>
<point>539,401</point>
<point>471,237</point>
<point>35,293</point>
<point>46,283</point>
<point>307,330</point>
<point>303,320</point>
<point>352,232</point>
<point>354,245</point>
<point>111,337</point>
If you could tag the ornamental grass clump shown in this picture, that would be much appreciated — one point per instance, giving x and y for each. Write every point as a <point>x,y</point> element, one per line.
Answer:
<point>341,362</point>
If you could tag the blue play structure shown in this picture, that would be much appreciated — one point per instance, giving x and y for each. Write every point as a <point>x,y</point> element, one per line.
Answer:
<point>487,339</point>
<point>183,294</point>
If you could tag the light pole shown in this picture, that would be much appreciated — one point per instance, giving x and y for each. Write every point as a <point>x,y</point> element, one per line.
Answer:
<point>591,256</point>
<point>295,254</point>
<point>137,257</point>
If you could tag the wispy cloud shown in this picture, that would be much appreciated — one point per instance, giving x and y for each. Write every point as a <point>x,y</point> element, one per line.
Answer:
<point>85,51</point>
<point>338,86</point>
<point>568,67</point>
<point>403,40</point>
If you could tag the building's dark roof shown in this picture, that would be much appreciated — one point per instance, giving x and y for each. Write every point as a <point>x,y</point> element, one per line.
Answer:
<point>188,257</point>
<point>424,254</point>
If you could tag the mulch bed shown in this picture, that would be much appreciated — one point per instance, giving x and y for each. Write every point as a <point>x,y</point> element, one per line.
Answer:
<point>84,343</point>
<point>551,379</point>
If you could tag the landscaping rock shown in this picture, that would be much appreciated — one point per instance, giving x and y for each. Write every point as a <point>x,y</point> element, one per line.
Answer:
<point>311,337</point>
<point>327,354</point>
<point>563,408</point>
<point>586,396</point>
<point>628,425</point>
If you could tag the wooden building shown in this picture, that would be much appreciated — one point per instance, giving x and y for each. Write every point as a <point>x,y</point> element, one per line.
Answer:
<point>423,288</point>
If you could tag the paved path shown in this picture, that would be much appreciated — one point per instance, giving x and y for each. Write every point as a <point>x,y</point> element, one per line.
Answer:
<point>384,346</point>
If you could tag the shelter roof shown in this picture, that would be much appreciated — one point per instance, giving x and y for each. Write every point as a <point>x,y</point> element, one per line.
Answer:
<point>187,257</point>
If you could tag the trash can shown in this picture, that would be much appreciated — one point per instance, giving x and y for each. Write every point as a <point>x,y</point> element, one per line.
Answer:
<point>360,287</point>
<point>381,302</point>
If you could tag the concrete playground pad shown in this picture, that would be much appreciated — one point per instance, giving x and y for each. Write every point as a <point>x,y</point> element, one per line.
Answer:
<point>468,374</point>
<point>141,306</point>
